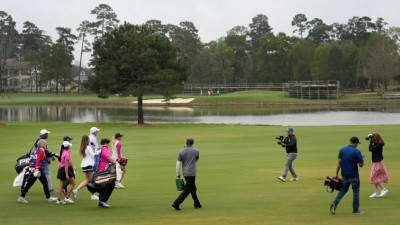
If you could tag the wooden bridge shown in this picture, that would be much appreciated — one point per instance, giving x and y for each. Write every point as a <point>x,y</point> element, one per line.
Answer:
<point>298,89</point>
<point>196,89</point>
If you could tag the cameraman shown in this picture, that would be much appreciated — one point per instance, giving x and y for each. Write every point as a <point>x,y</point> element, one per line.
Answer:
<point>290,143</point>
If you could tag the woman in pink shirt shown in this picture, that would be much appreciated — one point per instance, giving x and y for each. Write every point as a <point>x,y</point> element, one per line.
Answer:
<point>65,172</point>
<point>105,159</point>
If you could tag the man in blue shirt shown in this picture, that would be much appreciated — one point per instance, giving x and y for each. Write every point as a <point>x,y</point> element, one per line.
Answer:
<point>348,160</point>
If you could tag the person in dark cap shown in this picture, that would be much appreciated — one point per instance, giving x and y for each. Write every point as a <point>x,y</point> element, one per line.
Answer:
<point>105,158</point>
<point>290,143</point>
<point>67,138</point>
<point>187,159</point>
<point>349,159</point>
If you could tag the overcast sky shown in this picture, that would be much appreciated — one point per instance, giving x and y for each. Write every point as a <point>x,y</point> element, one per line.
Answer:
<point>213,18</point>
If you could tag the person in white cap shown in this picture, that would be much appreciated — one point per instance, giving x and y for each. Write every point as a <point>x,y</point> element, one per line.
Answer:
<point>44,134</point>
<point>93,138</point>
<point>66,172</point>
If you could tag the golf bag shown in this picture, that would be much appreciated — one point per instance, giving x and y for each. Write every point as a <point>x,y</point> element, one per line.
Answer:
<point>333,183</point>
<point>101,179</point>
<point>23,161</point>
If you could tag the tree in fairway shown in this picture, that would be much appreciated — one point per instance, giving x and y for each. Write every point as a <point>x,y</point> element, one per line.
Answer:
<point>135,59</point>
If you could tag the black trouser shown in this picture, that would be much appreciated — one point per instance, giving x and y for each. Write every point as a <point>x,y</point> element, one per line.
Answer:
<point>30,180</point>
<point>105,194</point>
<point>190,188</point>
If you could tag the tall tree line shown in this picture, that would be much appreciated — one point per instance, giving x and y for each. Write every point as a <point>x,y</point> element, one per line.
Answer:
<point>361,53</point>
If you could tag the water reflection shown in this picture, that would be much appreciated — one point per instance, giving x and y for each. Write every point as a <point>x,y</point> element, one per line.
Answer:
<point>295,116</point>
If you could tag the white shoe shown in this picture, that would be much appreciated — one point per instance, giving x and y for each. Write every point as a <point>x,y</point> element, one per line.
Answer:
<point>74,193</point>
<point>119,185</point>
<point>52,199</point>
<point>281,178</point>
<point>60,202</point>
<point>383,192</point>
<point>294,179</point>
<point>94,197</point>
<point>374,195</point>
<point>22,200</point>
<point>69,200</point>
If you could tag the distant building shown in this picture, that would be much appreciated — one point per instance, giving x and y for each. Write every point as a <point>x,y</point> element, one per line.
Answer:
<point>84,77</point>
<point>20,77</point>
<point>16,75</point>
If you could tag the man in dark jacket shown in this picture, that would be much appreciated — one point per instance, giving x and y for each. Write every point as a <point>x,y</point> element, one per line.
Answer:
<point>290,143</point>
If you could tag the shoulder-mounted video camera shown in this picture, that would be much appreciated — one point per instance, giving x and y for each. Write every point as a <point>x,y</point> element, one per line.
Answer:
<point>368,137</point>
<point>51,156</point>
<point>280,138</point>
<point>333,183</point>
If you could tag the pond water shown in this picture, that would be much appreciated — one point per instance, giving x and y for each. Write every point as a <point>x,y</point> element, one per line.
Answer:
<point>293,116</point>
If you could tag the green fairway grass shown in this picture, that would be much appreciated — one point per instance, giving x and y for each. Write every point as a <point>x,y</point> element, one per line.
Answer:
<point>236,177</point>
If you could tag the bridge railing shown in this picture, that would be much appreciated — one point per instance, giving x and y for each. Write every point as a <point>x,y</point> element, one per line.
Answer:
<point>196,89</point>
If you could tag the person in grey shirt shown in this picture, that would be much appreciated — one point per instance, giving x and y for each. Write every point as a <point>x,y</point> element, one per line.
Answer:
<point>187,159</point>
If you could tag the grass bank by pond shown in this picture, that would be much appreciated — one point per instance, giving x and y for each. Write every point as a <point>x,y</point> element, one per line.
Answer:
<point>238,98</point>
<point>236,179</point>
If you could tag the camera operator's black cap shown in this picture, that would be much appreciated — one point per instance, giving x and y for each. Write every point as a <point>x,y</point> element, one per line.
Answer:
<point>117,135</point>
<point>67,138</point>
<point>355,140</point>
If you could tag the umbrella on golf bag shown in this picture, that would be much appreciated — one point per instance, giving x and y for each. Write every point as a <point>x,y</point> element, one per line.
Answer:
<point>101,179</point>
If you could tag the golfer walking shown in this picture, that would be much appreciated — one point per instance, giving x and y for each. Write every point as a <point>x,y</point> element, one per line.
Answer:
<point>44,134</point>
<point>290,143</point>
<point>187,159</point>
<point>348,160</point>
